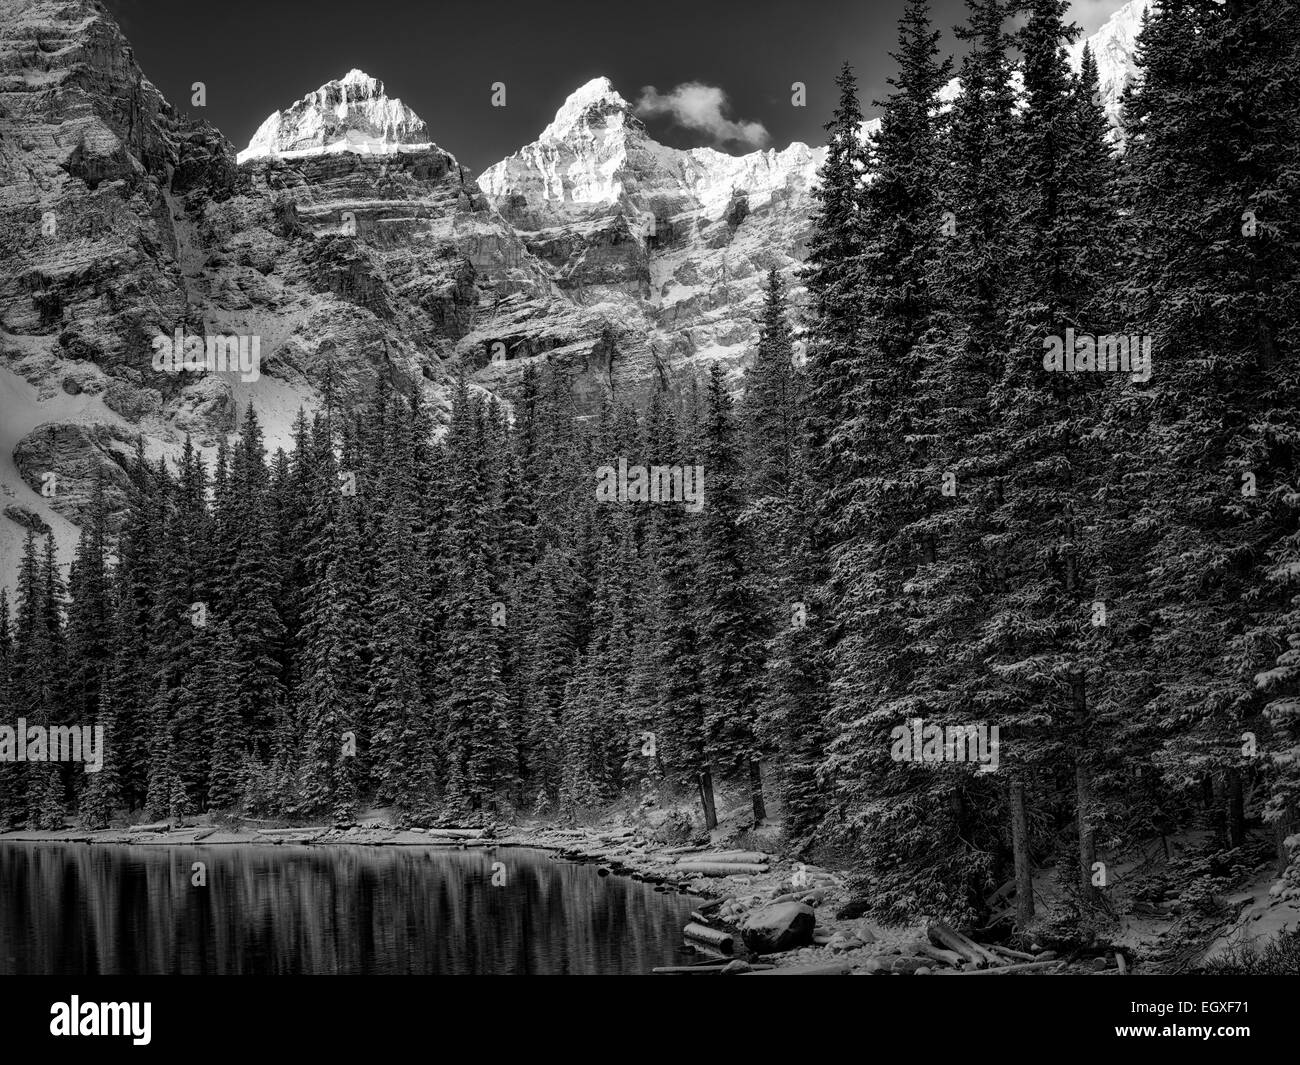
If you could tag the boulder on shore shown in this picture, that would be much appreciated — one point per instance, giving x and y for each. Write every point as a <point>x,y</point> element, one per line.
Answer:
<point>779,926</point>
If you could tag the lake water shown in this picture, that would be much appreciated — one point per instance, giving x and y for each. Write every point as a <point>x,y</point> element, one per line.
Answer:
<point>68,909</point>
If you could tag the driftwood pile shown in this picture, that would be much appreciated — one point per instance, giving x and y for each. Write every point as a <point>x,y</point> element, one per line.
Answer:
<point>708,932</point>
<point>949,953</point>
<point>624,852</point>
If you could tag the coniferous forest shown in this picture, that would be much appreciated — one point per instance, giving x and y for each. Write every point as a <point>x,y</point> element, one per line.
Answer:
<point>908,515</point>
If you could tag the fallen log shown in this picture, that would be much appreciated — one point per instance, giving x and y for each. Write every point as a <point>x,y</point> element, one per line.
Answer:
<point>1005,891</point>
<point>457,833</point>
<point>716,904</point>
<point>743,857</point>
<point>979,948</point>
<point>714,937</point>
<point>806,970</point>
<point>942,936</point>
<point>1015,955</point>
<point>720,869</point>
<point>157,826</point>
<point>947,957</point>
<point>713,967</point>
<point>1001,969</point>
<point>309,830</point>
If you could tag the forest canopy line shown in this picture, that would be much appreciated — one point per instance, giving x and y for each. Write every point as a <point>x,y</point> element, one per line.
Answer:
<point>1002,571</point>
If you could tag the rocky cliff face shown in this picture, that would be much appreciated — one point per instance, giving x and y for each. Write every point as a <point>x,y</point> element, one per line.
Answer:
<point>678,240</point>
<point>351,246</point>
<point>122,222</point>
<point>89,254</point>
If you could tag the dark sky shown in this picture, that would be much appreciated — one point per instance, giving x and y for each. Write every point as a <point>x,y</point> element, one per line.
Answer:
<point>257,56</point>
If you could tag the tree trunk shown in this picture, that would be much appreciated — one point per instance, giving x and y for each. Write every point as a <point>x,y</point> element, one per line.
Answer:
<point>1218,808</point>
<point>756,791</point>
<point>1020,853</point>
<point>1282,830</point>
<point>1236,810</point>
<point>707,801</point>
<point>1083,791</point>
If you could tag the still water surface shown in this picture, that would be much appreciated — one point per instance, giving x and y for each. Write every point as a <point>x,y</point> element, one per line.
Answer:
<point>71,908</point>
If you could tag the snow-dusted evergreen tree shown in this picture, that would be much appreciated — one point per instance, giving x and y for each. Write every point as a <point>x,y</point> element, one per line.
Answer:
<point>731,646</point>
<point>12,791</point>
<point>896,578</point>
<point>1212,220</point>
<point>248,598</point>
<point>479,752</point>
<point>674,586</point>
<point>333,673</point>
<point>38,676</point>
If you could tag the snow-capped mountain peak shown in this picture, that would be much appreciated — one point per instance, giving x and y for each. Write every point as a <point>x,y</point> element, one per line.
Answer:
<point>348,114</point>
<point>594,106</point>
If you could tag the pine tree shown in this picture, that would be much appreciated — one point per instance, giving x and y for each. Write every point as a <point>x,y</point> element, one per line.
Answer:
<point>731,649</point>
<point>251,586</point>
<point>835,309</point>
<point>39,673</point>
<point>672,573</point>
<point>12,806</point>
<point>1211,215</point>
<point>333,677</point>
<point>90,611</point>
<point>480,754</point>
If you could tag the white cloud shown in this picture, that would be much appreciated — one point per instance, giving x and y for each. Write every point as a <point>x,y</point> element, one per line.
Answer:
<point>701,108</point>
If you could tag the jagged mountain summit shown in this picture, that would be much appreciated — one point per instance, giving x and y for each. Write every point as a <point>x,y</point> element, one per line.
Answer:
<point>596,151</point>
<point>593,107</point>
<point>350,114</point>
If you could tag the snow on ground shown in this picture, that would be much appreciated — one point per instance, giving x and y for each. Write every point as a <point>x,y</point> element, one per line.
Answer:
<point>22,410</point>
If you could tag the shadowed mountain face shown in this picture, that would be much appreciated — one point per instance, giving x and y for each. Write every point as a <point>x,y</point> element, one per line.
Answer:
<point>351,246</point>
